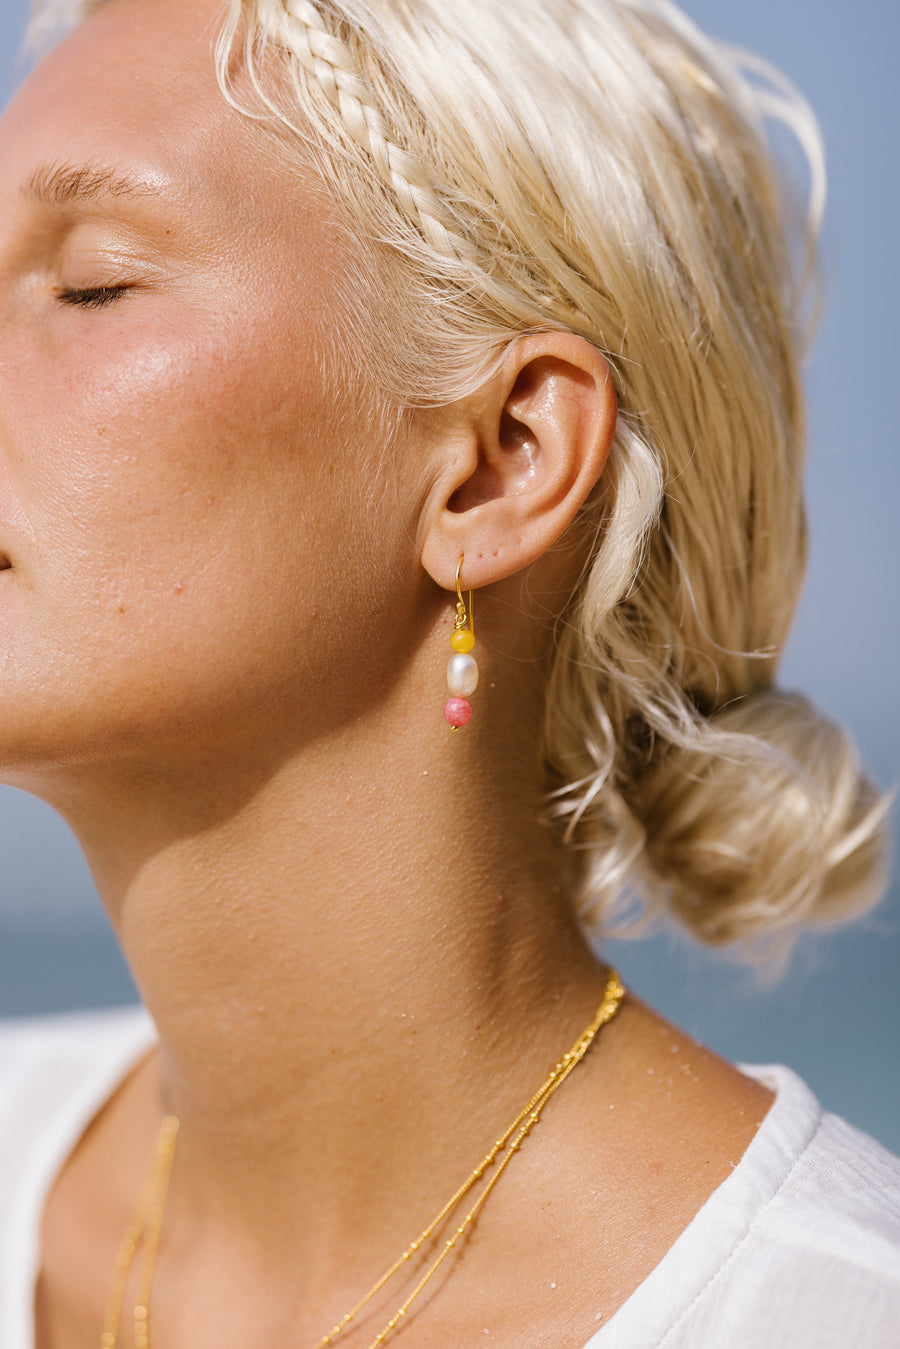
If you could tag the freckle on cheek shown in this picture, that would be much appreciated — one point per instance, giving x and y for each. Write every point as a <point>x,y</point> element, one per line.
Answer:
<point>121,608</point>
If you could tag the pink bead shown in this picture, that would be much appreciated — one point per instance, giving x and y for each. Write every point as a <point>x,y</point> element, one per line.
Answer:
<point>457,711</point>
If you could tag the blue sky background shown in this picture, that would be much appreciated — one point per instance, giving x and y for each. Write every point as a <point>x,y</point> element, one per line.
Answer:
<point>836,1016</point>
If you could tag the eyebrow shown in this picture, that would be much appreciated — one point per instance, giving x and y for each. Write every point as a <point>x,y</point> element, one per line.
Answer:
<point>73,185</point>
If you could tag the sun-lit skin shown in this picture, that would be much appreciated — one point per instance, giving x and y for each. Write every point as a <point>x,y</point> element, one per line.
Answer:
<point>223,632</point>
<point>139,424</point>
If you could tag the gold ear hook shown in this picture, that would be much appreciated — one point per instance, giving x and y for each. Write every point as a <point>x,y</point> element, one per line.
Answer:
<point>461,605</point>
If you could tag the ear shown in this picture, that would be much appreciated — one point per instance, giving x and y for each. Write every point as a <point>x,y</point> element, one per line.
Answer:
<point>517,460</point>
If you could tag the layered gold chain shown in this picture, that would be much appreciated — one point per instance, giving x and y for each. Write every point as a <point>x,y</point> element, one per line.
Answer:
<point>143,1232</point>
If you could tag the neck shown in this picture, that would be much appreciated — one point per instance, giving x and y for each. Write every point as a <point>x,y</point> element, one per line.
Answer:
<point>353,982</point>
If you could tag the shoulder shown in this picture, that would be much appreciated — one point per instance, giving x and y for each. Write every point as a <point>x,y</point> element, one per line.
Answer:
<point>799,1246</point>
<point>58,1065</point>
<point>56,1073</point>
<point>835,1177</point>
<point>816,1252</point>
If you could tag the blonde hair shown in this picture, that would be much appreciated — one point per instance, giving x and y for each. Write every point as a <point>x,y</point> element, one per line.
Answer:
<point>602,167</point>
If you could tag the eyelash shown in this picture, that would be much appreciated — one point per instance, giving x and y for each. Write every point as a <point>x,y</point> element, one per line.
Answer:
<point>96,297</point>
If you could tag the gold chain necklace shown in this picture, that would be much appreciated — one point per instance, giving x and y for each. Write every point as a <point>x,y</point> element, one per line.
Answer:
<point>143,1232</point>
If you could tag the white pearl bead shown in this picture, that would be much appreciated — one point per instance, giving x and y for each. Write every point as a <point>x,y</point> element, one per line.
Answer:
<point>462,675</point>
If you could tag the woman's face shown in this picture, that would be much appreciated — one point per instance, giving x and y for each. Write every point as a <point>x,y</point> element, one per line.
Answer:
<point>188,504</point>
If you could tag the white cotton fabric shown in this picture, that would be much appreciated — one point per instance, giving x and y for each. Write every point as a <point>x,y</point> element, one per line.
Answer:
<point>798,1249</point>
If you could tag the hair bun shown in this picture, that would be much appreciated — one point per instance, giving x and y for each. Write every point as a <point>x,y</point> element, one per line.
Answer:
<point>768,824</point>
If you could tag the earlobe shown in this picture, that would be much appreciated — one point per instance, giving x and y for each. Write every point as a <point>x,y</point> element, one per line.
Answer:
<point>536,438</point>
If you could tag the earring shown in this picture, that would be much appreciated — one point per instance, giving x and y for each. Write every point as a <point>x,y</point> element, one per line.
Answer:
<point>462,669</point>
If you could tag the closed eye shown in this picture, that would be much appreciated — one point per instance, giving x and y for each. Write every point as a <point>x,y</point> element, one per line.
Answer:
<point>95,297</point>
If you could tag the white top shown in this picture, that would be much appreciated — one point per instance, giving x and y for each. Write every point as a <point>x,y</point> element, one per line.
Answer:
<point>798,1249</point>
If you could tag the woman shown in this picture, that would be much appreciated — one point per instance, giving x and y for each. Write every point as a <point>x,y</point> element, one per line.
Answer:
<point>433,305</point>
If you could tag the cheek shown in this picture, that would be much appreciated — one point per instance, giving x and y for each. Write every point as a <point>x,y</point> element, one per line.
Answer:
<point>183,497</point>
<point>162,442</point>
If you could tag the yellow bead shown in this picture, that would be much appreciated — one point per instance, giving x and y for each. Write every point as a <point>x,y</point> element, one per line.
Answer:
<point>462,640</point>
